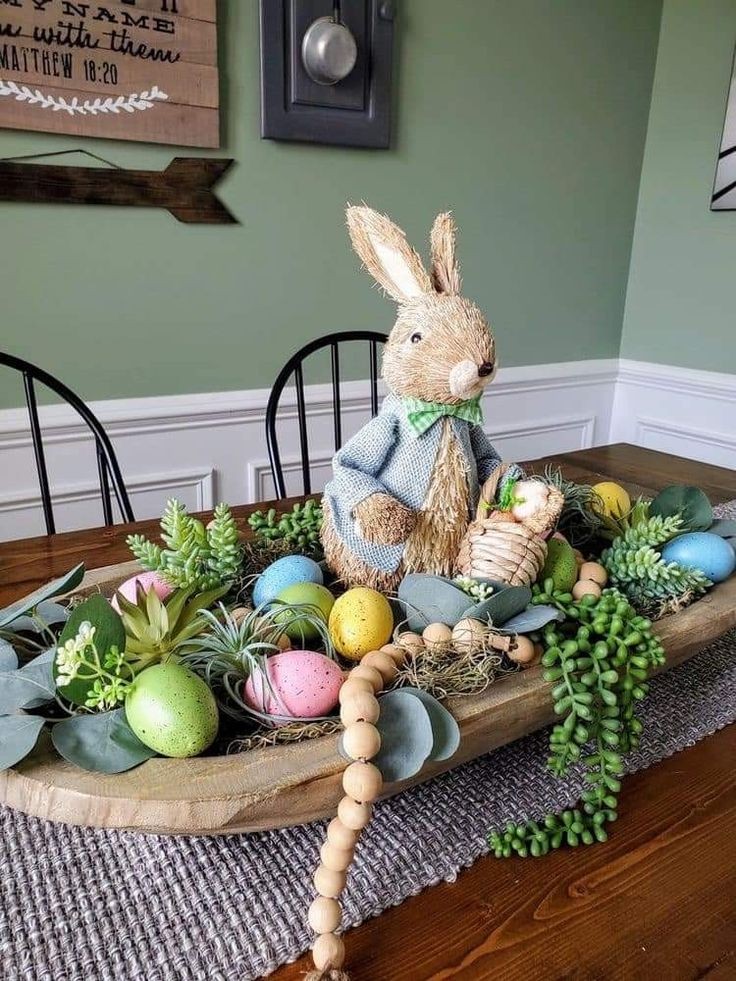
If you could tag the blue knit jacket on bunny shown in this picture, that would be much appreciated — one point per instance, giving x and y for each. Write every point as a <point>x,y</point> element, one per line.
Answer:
<point>388,456</point>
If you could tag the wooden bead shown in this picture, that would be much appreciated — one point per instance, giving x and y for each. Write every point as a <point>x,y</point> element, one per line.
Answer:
<point>354,814</point>
<point>370,674</point>
<point>324,915</point>
<point>340,835</point>
<point>593,571</point>
<point>335,859</point>
<point>361,741</point>
<point>362,782</point>
<point>328,952</point>
<point>396,652</point>
<point>328,882</point>
<point>413,643</point>
<point>523,650</point>
<point>351,686</point>
<point>383,663</point>
<point>586,587</point>
<point>361,707</point>
<point>437,637</point>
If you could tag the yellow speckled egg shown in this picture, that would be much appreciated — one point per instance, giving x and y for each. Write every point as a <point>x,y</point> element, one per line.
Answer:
<point>360,621</point>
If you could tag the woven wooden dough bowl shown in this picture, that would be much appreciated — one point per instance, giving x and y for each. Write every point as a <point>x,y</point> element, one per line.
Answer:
<point>286,785</point>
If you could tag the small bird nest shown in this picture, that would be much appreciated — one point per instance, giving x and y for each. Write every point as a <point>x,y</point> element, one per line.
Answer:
<point>445,672</point>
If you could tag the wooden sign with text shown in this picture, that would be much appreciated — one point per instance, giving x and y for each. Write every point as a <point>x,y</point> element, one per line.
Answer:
<point>132,70</point>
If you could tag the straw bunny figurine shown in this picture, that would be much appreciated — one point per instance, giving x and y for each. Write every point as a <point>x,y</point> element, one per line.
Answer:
<point>406,485</point>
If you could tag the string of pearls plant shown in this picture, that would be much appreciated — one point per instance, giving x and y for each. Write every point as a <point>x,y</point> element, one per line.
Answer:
<point>362,782</point>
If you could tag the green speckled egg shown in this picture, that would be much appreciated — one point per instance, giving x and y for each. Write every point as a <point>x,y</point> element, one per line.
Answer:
<point>172,711</point>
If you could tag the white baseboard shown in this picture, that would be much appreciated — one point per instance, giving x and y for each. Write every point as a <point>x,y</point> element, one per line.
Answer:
<point>207,447</point>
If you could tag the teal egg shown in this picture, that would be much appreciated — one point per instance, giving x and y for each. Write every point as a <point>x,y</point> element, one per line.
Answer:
<point>709,553</point>
<point>282,573</point>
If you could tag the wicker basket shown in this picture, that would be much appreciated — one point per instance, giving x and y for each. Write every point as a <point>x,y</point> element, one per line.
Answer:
<point>497,547</point>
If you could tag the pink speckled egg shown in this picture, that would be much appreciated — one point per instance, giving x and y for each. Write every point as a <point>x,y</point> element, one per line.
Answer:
<point>148,581</point>
<point>305,684</point>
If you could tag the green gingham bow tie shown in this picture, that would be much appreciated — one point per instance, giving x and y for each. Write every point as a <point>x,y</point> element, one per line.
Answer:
<point>423,415</point>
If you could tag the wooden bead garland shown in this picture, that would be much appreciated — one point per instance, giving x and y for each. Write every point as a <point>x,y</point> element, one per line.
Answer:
<point>362,782</point>
<point>361,741</point>
<point>324,915</point>
<point>354,814</point>
<point>328,882</point>
<point>370,674</point>
<point>363,707</point>
<point>383,663</point>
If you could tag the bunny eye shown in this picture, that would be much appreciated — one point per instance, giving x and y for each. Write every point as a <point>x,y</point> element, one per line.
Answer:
<point>415,338</point>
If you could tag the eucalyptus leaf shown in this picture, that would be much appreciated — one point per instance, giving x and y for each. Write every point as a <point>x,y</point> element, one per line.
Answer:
<point>445,730</point>
<point>725,527</point>
<point>46,614</point>
<point>103,743</point>
<point>8,657</point>
<point>110,632</point>
<point>56,588</point>
<point>41,671</point>
<point>689,502</point>
<point>18,735</point>
<point>533,618</point>
<point>29,686</point>
<point>407,738</point>
<point>502,606</point>
<point>431,599</point>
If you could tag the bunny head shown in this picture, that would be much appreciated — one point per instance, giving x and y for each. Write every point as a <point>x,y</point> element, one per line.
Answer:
<point>441,348</point>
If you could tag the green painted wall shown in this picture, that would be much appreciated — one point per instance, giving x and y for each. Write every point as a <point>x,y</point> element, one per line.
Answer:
<point>527,118</point>
<point>680,303</point>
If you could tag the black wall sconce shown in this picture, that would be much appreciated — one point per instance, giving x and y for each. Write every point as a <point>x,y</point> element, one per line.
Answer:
<point>326,71</point>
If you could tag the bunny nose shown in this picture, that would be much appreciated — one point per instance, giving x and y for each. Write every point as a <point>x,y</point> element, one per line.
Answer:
<point>485,369</point>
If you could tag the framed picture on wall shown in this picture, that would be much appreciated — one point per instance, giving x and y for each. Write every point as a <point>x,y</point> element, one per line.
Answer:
<point>132,70</point>
<point>724,187</point>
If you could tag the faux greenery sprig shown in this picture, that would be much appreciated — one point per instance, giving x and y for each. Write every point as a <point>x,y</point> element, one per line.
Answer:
<point>479,591</point>
<point>598,659</point>
<point>299,527</point>
<point>636,567</point>
<point>194,555</point>
<point>109,675</point>
<point>580,520</point>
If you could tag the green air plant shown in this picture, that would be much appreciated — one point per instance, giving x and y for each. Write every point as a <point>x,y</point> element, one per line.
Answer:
<point>156,629</point>
<point>579,520</point>
<point>236,643</point>
<point>598,660</point>
<point>635,566</point>
<point>195,555</point>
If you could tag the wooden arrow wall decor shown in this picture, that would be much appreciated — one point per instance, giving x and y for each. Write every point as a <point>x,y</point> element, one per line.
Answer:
<point>184,188</point>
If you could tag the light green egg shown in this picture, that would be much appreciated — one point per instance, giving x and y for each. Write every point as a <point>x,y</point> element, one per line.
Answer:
<point>318,598</point>
<point>172,710</point>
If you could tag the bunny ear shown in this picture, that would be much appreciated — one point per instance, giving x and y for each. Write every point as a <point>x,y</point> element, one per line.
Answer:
<point>387,255</point>
<point>445,270</point>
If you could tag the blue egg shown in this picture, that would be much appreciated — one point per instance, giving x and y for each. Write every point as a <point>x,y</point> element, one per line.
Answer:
<point>712,554</point>
<point>285,572</point>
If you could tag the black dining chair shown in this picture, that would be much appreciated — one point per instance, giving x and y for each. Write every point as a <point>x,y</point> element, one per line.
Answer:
<point>294,366</point>
<point>108,468</point>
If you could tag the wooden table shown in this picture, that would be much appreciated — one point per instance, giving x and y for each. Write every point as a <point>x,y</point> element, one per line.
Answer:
<point>657,900</point>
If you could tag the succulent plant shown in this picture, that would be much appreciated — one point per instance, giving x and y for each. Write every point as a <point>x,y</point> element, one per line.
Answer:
<point>157,630</point>
<point>195,555</point>
<point>636,567</point>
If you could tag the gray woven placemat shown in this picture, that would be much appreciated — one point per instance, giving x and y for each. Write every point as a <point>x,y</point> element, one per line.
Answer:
<point>89,905</point>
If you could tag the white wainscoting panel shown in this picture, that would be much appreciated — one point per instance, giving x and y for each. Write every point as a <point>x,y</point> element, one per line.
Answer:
<point>208,447</point>
<point>676,410</point>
